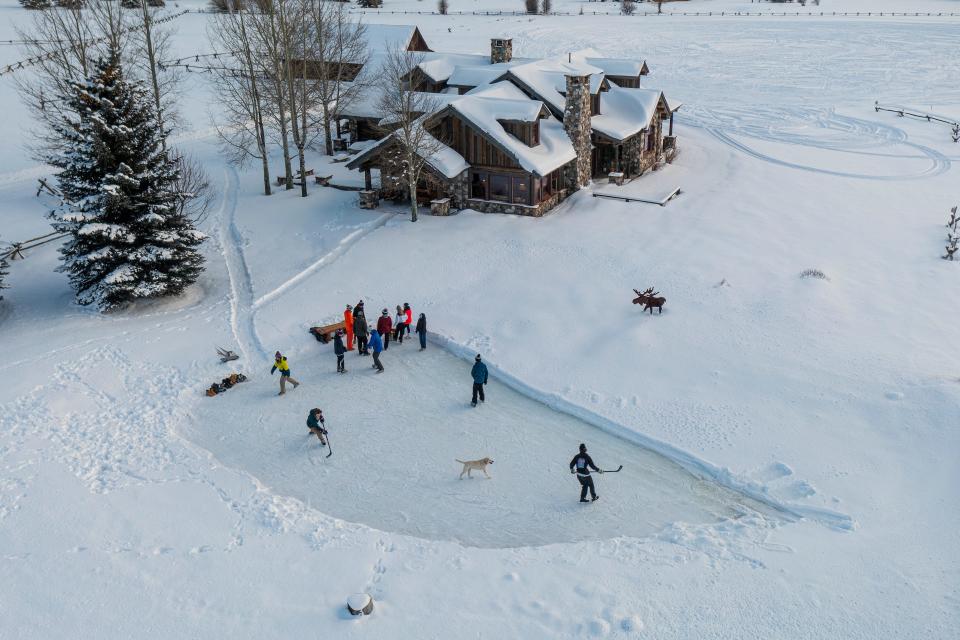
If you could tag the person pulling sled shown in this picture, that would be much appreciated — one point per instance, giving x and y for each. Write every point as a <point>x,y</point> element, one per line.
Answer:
<point>581,465</point>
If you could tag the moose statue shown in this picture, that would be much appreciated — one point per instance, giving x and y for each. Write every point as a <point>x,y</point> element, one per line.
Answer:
<point>650,300</point>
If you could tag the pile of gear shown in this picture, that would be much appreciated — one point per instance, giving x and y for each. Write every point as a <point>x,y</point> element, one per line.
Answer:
<point>226,383</point>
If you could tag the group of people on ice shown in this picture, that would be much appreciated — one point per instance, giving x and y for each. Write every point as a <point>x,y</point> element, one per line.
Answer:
<point>372,341</point>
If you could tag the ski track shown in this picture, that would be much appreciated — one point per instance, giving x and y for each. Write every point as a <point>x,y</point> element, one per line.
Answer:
<point>780,126</point>
<point>241,287</point>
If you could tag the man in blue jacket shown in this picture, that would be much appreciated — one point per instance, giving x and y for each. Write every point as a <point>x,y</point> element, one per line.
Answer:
<point>376,346</point>
<point>479,373</point>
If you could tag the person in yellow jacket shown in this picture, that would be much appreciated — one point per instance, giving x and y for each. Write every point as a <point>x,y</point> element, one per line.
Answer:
<point>348,326</point>
<point>280,364</point>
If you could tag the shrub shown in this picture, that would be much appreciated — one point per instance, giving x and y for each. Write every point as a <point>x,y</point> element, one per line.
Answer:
<point>814,273</point>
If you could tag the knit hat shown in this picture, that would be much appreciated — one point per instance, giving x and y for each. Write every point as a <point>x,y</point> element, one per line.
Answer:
<point>477,358</point>
<point>349,307</point>
<point>583,448</point>
<point>385,312</point>
<point>277,355</point>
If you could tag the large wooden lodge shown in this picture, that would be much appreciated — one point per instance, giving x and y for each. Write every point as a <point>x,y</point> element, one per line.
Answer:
<point>519,135</point>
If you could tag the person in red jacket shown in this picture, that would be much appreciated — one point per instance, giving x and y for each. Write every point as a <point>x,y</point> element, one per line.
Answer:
<point>408,317</point>
<point>348,326</point>
<point>384,327</point>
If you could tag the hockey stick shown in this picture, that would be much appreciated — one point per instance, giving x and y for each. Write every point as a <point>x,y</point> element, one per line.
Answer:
<point>328,445</point>
<point>611,470</point>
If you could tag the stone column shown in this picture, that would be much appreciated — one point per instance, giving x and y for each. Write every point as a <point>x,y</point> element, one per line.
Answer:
<point>501,50</point>
<point>576,121</point>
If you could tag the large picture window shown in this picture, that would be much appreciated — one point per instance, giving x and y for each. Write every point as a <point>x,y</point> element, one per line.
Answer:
<point>499,187</point>
<point>521,190</point>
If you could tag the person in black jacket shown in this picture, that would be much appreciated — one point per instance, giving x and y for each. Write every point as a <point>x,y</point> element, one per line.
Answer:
<point>339,350</point>
<point>422,331</point>
<point>361,332</point>
<point>581,465</point>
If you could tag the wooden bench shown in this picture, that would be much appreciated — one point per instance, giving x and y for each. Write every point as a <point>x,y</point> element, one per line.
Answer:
<point>323,181</point>
<point>325,333</point>
<point>282,180</point>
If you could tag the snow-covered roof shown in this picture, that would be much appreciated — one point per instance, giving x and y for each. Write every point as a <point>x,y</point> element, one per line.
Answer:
<point>618,66</point>
<point>367,104</point>
<point>547,78</point>
<point>383,38</point>
<point>503,90</point>
<point>444,160</point>
<point>625,112</point>
<point>485,113</point>
<point>435,102</point>
<point>439,66</point>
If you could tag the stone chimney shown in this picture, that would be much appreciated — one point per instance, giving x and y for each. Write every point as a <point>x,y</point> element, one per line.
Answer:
<point>501,50</point>
<point>576,121</point>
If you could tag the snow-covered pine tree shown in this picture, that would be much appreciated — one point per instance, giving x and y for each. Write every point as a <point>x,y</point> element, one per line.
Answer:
<point>128,239</point>
<point>35,4</point>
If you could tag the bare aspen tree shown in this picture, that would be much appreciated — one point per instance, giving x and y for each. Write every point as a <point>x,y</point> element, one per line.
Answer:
<point>264,29</point>
<point>405,110</point>
<point>240,120</point>
<point>65,40</point>
<point>153,45</point>
<point>339,48</point>
<point>292,25</point>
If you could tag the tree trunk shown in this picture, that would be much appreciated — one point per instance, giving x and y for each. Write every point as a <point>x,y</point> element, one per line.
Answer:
<point>327,137</point>
<point>412,180</point>
<point>257,110</point>
<point>152,59</point>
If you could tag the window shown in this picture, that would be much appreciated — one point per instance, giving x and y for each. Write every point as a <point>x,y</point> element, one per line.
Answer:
<point>535,139</point>
<point>478,187</point>
<point>499,187</point>
<point>521,190</point>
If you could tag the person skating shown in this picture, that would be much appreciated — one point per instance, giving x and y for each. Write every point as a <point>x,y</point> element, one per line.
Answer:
<point>480,374</point>
<point>361,332</point>
<point>422,331</point>
<point>384,327</point>
<point>376,345</point>
<point>280,363</point>
<point>339,350</point>
<point>581,465</point>
<point>348,326</point>
<point>316,426</point>
<point>398,325</point>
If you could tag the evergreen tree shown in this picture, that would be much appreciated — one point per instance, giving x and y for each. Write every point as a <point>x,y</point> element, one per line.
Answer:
<point>129,239</point>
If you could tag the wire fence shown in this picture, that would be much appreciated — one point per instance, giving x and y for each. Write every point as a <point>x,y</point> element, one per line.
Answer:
<point>714,14</point>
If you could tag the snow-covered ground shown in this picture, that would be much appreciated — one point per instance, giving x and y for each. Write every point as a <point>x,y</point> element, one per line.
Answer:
<point>789,443</point>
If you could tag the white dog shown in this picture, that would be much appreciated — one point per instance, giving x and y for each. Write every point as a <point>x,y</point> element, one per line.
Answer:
<point>470,465</point>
